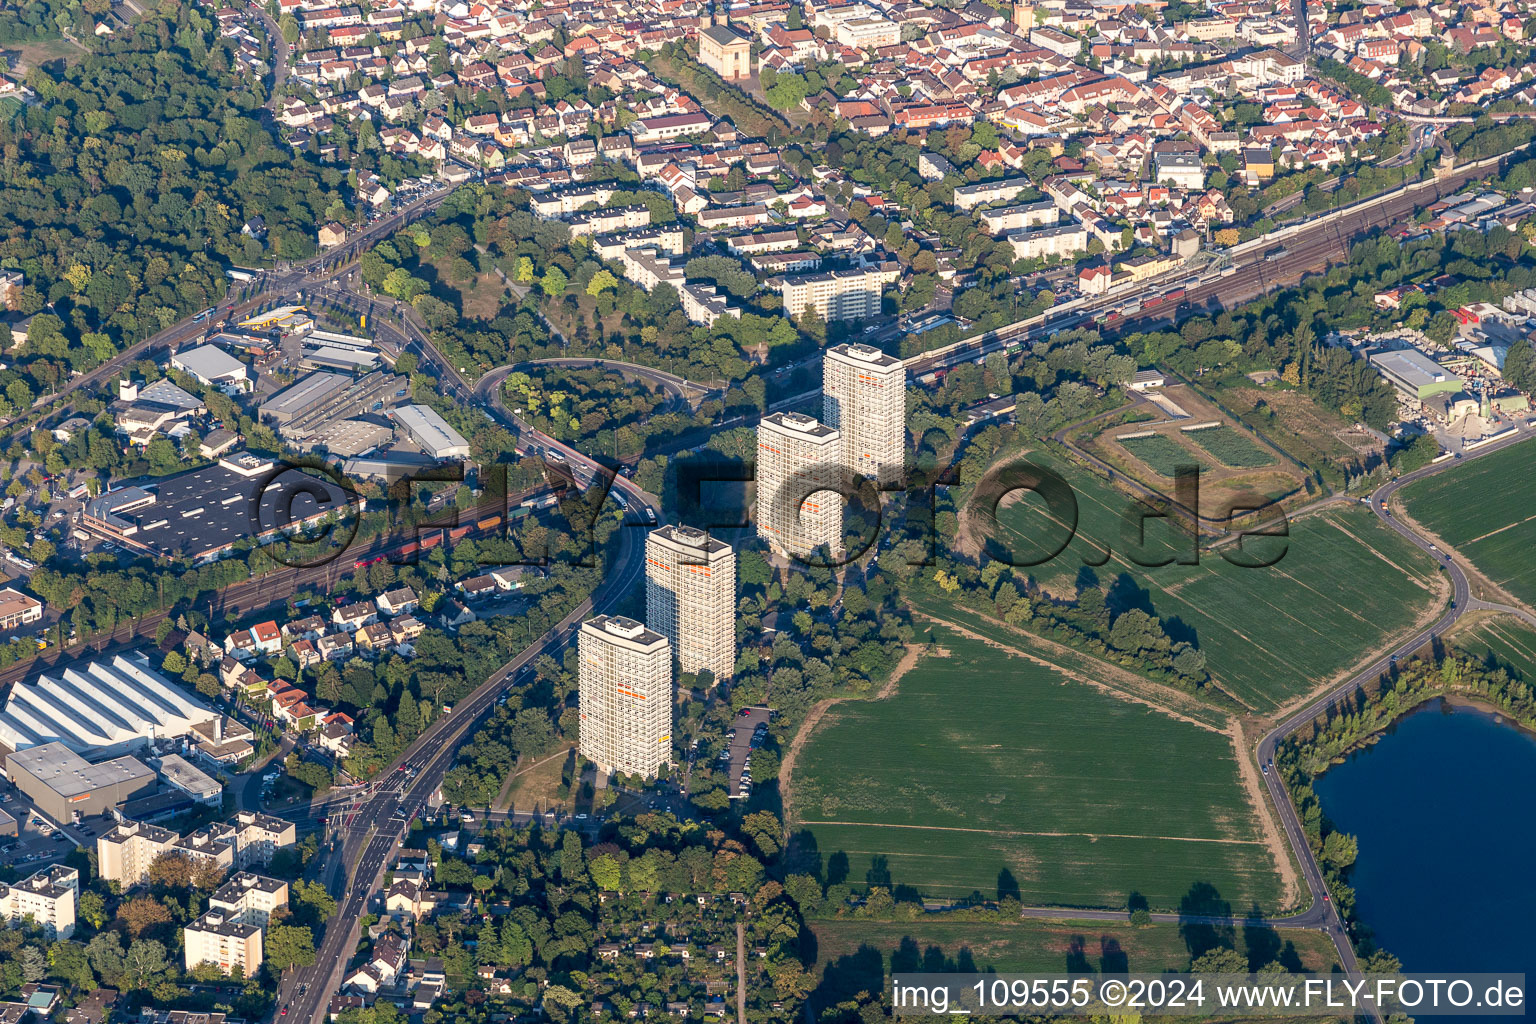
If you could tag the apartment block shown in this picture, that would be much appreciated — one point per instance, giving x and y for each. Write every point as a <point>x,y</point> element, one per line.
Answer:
<point>259,836</point>
<point>249,898</point>
<point>837,294</point>
<point>125,852</point>
<point>690,597</point>
<point>625,680</point>
<point>215,938</point>
<point>864,398</point>
<point>799,477</point>
<point>48,898</point>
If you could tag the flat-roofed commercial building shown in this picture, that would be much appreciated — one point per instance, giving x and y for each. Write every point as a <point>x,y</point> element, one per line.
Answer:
<point>1415,374</point>
<point>62,784</point>
<point>625,679</point>
<point>799,477</point>
<point>17,609</point>
<point>125,851</point>
<point>431,432</point>
<point>47,898</point>
<point>202,514</point>
<point>180,773</point>
<point>690,597</point>
<point>864,397</point>
<point>232,946</point>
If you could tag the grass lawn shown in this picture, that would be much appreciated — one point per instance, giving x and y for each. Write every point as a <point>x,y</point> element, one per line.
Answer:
<point>1162,455</point>
<point>1045,946</point>
<point>989,773</point>
<point>1345,583</point>
<point>1486,510</point>
<point>536,789</point>
<point>1230,448</point>
<point>1504,640</point>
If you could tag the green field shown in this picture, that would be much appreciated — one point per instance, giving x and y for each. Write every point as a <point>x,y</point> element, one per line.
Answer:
<point>1486,510</point>
<point>1230,448</point>
<point>1160,454</point>
<point>1036,945</point>
<point>988,773</point>
<point>1505,640</point>
<point>1344,584</point>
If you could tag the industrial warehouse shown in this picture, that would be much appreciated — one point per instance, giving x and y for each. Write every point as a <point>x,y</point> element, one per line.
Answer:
<point>202,514</point>
<point>102,708</point>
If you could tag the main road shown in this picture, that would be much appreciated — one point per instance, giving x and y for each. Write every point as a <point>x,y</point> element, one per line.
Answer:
<point>368,836</point>
<point>1323,911</point>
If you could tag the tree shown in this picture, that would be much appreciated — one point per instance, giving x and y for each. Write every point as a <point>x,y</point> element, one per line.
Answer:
<point>1220,961</point>
<point>601,281</point>
<point>554,282</point>
<point>141,914</point>
<point>92,909</point>
<point>144,964</point>
<point>288,946</point>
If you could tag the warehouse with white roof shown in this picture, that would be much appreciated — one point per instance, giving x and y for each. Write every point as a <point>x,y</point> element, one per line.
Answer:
<point>101,708</point>
<point>431,432</point>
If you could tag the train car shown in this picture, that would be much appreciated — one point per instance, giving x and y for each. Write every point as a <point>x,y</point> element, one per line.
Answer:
<point>488,524</point>
<point>518,513</point>
<point>1174,294</point>
<point>432,541</point>
<point>458,533</point>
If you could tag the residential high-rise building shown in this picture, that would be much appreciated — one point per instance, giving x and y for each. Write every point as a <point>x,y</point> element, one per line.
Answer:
<point>249,898</point>
<point>47,899</point>
<point>228,942</point>
<point>864,396</point>
<point>125,852</point>
<point>690,597</point>
<point>625,680</point>
<point>799,471</point>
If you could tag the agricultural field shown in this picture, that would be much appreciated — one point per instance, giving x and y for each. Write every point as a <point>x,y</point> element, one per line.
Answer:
<point>1504,640</point>
<point>991,773</point>
<point>1045,946</point>
<point>1342,585</point>
<point>1230,448</point>
<point>1162,455</point>
<point>1486,510</point>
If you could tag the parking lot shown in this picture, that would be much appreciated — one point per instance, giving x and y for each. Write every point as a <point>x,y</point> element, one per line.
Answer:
<point>745,728</point>
<point>38,842</point>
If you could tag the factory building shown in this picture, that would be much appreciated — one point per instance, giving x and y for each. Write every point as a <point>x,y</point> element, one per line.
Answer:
<point>431,432</point>
<point>63,785</point>
<point>103,708</point>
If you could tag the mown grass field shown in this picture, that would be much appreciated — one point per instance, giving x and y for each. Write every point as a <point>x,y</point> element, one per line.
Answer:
<point>988,773</point>
<point>1230,448</point>
<point>1486,510</point>
<point>1505,640</point>
<point>1343,584</point>
<point>1046,946</point>
<point>1160,454</point>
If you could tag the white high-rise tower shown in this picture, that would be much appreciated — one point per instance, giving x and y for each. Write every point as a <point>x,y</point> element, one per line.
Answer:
<point>796,458</point>
<point>625,678</point>
<point>864,396</point>
<point>690,597</point>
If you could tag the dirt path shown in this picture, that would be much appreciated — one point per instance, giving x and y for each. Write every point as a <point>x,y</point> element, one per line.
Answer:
<point>1274,837</point>
<point>813,719</point>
